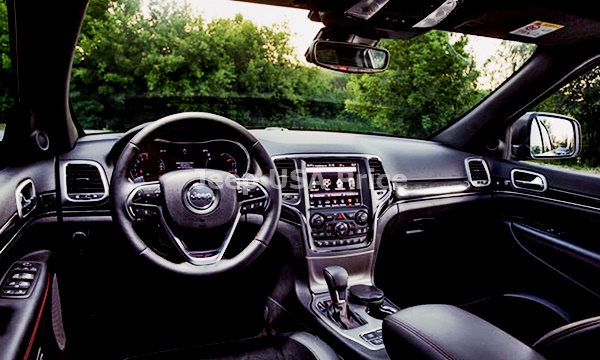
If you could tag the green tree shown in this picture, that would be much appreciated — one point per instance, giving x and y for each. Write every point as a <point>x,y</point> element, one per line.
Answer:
<point>508,58</point>
<point>167,53</point>
<point>429,82</point>
<point>6,81</point>
<point>581,99</point>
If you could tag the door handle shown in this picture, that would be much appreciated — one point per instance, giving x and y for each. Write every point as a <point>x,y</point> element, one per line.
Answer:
<point>528,180</point>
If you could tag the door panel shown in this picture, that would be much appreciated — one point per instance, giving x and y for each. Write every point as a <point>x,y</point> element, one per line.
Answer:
<point>526,261</point>
<point>27,196</point>
<point>24,297</point>
<point>577,263</point>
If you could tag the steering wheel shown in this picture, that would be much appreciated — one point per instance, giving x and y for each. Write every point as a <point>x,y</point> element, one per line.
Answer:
<point>199,209</point>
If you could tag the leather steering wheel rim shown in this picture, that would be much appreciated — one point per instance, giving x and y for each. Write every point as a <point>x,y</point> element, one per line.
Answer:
<point>121,189</point>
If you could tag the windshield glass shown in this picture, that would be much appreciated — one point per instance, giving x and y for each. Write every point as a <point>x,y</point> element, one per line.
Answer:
<point>138,61</point>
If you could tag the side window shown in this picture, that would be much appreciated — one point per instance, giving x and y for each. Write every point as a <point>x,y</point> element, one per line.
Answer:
<point>6,99</point>
<point>580,99</point>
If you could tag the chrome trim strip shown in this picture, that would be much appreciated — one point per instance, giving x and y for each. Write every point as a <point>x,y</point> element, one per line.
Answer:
<point>538,197</point>
<point>10,222</point>
<point>403,193</point>
<point>14,221</point>
<point>206,260</point>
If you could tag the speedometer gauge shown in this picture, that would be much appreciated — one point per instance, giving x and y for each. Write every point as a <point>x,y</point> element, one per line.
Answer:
<point>225,162</point>
<point>146,167</point>
<point>139,169</point>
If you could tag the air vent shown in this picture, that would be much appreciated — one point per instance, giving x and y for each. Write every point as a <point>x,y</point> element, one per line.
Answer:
<point>478,172</point>
<point>288,177</point>
<point>379,178</point>
<point>85,181</point>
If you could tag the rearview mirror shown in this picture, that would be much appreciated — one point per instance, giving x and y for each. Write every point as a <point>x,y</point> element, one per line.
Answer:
<point>539,135</point>
<point>348,57</point>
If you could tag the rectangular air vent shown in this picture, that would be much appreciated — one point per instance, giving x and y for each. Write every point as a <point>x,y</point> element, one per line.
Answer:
<point>379,178</point>
<point>478,172</point>
<point>85,181</point>
<point>288,177</point>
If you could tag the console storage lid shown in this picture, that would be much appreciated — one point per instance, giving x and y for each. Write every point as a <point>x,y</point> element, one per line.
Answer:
<point>448,332</point>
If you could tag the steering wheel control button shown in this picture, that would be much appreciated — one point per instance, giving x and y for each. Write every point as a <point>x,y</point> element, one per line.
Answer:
<point>200,196</point>
<point>147,195</point>
<point>251,196</point>
<point>254,207</point>
<point>248,191</point>
<point>144,212</point>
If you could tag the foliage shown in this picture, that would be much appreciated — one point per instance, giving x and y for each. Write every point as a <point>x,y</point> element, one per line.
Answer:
<point>429,82</point>
<point>509,57</point>
<point>135,66</point>
<point>580,99</point>
<point>6,96</point>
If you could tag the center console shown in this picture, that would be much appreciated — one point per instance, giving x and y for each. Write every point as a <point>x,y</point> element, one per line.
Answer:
<point>339,201</point>
<point>339,206</point>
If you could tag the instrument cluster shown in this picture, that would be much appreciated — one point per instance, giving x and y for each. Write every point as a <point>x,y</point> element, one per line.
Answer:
<point>162,156</point>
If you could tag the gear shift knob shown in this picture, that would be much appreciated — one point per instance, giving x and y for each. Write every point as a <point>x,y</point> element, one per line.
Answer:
<point>336,278</point>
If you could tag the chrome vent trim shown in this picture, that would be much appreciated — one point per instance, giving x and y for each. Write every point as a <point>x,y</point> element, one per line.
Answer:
<point>379,179</point>
<point>478,172</point>
<point>84,181</point>
<point>289,179</point>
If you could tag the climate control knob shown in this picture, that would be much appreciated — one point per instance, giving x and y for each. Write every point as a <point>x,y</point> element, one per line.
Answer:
<point>361,217</point>
<point>317,221</point>
<point>341,229</point>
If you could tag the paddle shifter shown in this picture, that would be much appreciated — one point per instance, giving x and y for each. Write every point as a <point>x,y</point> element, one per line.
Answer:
<point>336,278</point>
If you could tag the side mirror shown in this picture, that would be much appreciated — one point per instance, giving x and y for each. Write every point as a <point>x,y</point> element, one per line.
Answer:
<point>540,135</point>
<point>348,57</point>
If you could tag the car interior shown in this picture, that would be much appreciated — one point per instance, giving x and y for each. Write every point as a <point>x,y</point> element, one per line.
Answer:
<point>470,243</point>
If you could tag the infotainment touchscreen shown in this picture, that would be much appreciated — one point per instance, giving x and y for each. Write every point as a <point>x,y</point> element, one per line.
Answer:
<point>333,184</point>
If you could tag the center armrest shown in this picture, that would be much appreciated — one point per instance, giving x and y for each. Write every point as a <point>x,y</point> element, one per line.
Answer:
<point>448,332</point>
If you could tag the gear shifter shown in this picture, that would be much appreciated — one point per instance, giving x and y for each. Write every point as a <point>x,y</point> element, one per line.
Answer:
<point>336,278</point>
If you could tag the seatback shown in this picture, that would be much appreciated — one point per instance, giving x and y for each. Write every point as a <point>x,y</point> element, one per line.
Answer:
<point>578,340</point>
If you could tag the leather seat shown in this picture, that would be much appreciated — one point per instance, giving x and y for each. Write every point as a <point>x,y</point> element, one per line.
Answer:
<point>289,346</point>
<point>577,340</point>
<point>448,332</point>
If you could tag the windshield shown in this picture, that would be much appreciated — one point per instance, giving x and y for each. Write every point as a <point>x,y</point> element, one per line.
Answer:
<point>138,61</point>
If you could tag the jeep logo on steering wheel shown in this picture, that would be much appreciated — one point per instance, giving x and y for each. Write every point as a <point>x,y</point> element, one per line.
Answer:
<point>200,196</point>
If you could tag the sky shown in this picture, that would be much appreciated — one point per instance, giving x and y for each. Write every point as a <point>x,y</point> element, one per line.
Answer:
<point>263,15</point>
<point>483,48</point>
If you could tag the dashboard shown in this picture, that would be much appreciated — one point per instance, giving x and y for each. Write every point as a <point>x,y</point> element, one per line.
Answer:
<point>162,156</point>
